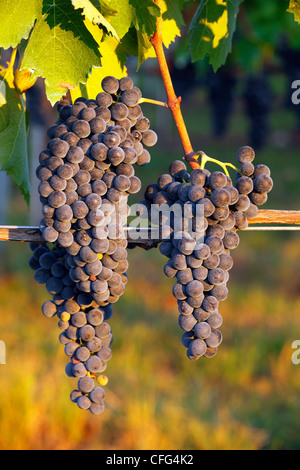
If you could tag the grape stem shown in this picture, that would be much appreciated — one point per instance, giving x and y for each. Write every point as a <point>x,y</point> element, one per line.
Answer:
<point>205,158</point>
<point>158,103</point>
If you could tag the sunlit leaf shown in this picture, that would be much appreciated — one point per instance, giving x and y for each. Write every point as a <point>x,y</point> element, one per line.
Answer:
<point>294,8</point>
<point>174,11</point>
<point>145,15</point>
<point>94,15</point>
<point>60,49</point>
<point>17,19</point>
<point>212,30</point>
<point>122,20</point>
<point>13,138</point>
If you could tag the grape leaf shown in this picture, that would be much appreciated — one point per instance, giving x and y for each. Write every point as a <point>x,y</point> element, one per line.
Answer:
<point>145,48</point>
<point>60,48</point>
<point>17,19</point>
<point>174,11</point>
<point>106,10</point>
<point>93,14</point>
<point>145,15</point>
<point>129,43</point>
<point>170,30</point>
<point>212,29</point>
<point>13,138</point>
<point>294,8</point>
<point>122,20</point>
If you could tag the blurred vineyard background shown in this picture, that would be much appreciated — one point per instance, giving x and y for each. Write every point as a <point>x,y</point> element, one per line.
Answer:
<point>248,395</point>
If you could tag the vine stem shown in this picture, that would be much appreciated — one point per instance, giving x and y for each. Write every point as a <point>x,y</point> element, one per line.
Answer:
<point>173,101</point>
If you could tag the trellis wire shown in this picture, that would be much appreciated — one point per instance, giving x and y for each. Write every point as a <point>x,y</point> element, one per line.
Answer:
<point>286,220</point>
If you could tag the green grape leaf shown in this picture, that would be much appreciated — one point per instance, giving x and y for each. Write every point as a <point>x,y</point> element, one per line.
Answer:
<point>294,8</point>
<point>145,15</point>
<point>144,47</point>
<point>17,20</point>
<point>170,30</point>
<point>129,43</point>
<point>174,11</point>
<point>94,14</point>
<point>122,20</point>
<point>60,49</point>
<point>212,29</point>
<point>106,10</point>
<point>13,138</point>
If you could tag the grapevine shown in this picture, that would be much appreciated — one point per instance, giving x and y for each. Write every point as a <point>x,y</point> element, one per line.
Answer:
<point>87,174</point>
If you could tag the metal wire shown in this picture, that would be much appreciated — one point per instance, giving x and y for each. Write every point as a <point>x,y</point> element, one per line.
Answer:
<point>148,229</point>
<point>274,228</point>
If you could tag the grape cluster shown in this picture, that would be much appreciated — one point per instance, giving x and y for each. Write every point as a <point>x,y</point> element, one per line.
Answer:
<point>86,175</point>
<point>199,248</point>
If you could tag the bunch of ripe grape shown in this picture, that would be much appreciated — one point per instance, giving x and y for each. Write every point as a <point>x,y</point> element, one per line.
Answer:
<point>200,238</point>
<point>86,175</point>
